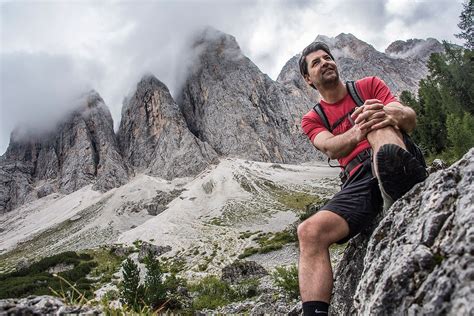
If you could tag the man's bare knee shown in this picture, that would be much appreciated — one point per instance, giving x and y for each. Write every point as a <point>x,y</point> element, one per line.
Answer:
<point>310,234</point>
<point>321,230</point>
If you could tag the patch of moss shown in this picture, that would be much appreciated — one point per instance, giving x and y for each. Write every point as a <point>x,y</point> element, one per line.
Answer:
<point>298,200</point>
<point>438,258</point>
<point>248,234</point>
<point>173,265</point>
<point>248,252</point>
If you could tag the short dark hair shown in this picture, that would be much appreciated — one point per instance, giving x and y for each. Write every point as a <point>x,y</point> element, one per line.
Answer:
<point>314,46</point>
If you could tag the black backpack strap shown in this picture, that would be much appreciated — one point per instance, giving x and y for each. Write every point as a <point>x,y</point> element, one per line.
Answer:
<point>319,110</point>
<point>352,89</point>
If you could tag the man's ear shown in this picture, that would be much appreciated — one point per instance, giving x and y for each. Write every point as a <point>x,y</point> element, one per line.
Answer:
<point>308,81</point>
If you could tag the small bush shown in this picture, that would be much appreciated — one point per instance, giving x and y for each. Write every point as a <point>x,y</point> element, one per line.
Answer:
<point>211,293</point>
<point>287,280</point>
<point>247,288</point>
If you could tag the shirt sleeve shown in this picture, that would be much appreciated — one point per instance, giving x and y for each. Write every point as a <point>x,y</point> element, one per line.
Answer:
<point>375,88</point>
<point>312,125</point>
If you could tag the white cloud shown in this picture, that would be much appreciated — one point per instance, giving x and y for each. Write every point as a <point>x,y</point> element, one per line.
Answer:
<point>108,45</point>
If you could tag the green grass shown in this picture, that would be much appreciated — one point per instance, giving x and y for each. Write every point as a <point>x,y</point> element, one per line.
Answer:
<point>36,280</point>
<point>88,265</point>
<point>108,263</point>
<point>269,242</point>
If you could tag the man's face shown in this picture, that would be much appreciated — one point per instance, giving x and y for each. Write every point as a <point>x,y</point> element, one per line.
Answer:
<point>322,70</point>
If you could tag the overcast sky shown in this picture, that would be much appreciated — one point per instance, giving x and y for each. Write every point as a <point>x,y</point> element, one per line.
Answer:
<point>53,51</point>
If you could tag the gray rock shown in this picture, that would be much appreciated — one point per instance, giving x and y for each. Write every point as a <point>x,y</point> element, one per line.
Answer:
<point>153,250</point>
<point>16,183</point>
<point>420,258</point>
<point>154,137</point>
<point>43,305</point>
<point>44,190</point>
<point>120,250</point>
<point>437,165</point>
<point>239,111</point>
<point>160,202</point>
<point>241,270</point>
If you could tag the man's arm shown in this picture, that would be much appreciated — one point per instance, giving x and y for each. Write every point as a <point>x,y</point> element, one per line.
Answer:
<point>341,145</point>
<point>374,115</point>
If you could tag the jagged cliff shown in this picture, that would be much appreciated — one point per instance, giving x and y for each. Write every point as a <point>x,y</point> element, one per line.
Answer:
<point>81,150</point>
<point>230,104</point>
<point>153,135</point>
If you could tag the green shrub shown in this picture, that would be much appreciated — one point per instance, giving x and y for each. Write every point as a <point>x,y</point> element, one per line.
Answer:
<point>36,280</point>
<point>211,292</point>
<point>287,280</point>
<point>247,288</point>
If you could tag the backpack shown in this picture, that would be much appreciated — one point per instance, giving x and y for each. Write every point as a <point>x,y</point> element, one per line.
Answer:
<point>356,97</point>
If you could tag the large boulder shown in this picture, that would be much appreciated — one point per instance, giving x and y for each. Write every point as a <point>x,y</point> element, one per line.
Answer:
<point>420,257</point>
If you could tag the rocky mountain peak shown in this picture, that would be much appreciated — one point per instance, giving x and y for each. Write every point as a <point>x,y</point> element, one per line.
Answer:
<point>230,104</point>
<point>213,40</point>
<point>414,48</point>
<point>80,150</point>
<point>153,135</point>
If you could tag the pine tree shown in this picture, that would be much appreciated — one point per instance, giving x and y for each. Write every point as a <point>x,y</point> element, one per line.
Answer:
<point>466,24</point>
<point>131,292</point>
<point>155,291</point>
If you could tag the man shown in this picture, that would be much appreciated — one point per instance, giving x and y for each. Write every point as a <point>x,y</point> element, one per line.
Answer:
<point>370,140</point>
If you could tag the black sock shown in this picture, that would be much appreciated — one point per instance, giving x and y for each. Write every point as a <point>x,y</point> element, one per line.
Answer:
<point>315,308</point>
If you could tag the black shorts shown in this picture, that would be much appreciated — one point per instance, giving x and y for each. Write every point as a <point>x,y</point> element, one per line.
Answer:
<point>359,200</point>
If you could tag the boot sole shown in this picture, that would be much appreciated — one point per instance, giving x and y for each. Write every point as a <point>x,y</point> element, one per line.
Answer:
<point>398,170</point>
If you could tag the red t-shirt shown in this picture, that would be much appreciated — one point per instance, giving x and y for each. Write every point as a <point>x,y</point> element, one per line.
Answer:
<point>369,88</point>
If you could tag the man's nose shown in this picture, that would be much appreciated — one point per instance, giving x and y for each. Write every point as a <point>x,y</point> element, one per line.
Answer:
<point>323,62</point>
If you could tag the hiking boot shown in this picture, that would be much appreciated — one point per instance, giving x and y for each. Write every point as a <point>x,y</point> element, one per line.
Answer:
<point>398,172</point>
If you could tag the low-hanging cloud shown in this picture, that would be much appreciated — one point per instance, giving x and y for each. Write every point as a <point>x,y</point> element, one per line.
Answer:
<point>52,51</point>
<point>38,89</point>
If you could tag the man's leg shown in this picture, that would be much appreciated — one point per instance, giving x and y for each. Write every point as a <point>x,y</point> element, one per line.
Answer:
<point>396,169</point>
<point>383,136</point>
<point>315,235</point>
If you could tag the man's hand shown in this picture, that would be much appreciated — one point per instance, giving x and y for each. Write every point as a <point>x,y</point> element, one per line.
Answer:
<point>374,115</point>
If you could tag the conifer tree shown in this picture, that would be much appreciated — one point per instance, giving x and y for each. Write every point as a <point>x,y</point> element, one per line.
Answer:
<point>466,24</point>
<point>131,292</point>
<point>155,291</point>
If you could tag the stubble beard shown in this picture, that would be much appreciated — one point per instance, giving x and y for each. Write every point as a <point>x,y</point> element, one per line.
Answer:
<point>331,80</point>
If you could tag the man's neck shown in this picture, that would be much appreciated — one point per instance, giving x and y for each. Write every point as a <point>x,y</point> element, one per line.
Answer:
<point>333,94</point>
